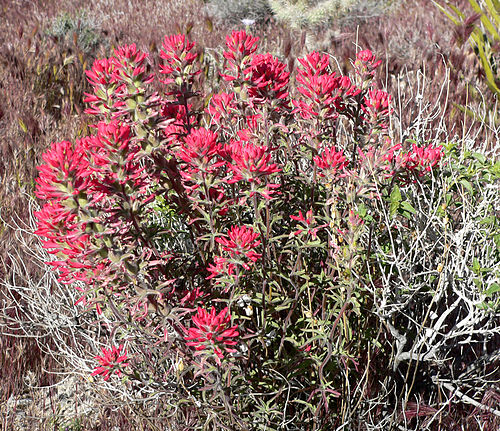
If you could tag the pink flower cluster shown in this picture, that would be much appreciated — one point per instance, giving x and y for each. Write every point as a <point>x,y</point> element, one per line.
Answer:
<point>265,77</point>
<point>365,66</point>
<point>212,332</point>
<point>115,79</point>
<point>250,162</point>
<point>391,160</point>
<point>239,244</point>
<point>62,182</point>
<point>422,159</point>
<point>325,93</point>
<point>199,150</point>
<point>92,187</point>
<point>268,80</point>
<point>242,241</point>
<point>330,160</point>
<point>222,108</point>
<point>111,361</point>
<point>241,46</point>
<point>179,56</point>
<point>376,108</point>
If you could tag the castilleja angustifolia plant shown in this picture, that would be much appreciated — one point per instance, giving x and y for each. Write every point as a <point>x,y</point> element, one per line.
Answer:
<point>232,240</point>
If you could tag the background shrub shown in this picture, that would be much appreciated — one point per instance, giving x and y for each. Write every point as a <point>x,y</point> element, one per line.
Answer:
<point>236,12</point>
<point>81,30</point>
<point>308,13</point>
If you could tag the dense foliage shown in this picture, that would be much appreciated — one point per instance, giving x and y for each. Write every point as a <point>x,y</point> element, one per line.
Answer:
<point>239,252</point>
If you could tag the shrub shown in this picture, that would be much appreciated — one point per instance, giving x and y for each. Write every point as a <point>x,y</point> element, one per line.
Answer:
<point>234,12</point>
<point>308,13</point>
<point>80,30</point>
<point>250,258</point>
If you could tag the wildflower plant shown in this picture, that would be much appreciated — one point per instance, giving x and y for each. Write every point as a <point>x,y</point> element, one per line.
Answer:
<point>111,361</point>
<point>263,284</point>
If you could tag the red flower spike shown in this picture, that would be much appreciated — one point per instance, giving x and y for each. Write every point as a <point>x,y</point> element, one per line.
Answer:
<point>199,148</point>
<point>116,79</point>
<point>422,159</point>
<point>130,65</point>
<point>212,332</point>
<point>241,46</point>
<point>174,112</point>
<point>331,159</point>
<point>221,266</point>
<point>250,162</point>
<point>63,232</point>
<point>268,80</point>
<point>101,73</point>
<point>65,172</point>
<point>376,108</point>
<point>176,121</point>
<point>383,158</point>
<point>221,107</point>
<point>242,241</point>
<point>131,54</point>
<point>113,146</point>
<point>390,156</point>
<point>177,48</point>
<point>300,217</point>
<point>308,222</point>
<point>107,88</point>
<point>354,219</point>
<point>111,361</point>
<point>179,57</point>
<point>191,296</point>
<point>313,64</point>
<point>367,57</point>
<point>325,92</point>
<point>365,66</point>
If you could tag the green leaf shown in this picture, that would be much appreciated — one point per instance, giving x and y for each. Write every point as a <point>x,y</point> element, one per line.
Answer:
<point>490,78</point>
<point>406,206</point>
<point>494,288</point>
<point>495,169</point>
<point>395,200</point>
<point>362,210</point>
<point>467,185</point>
<point>476,267</point>
<point>492,9</point>
<point>396,194</point>
<point>496,240</point>
<point>479,157</point>
<point>484,19</point>
<point>308,405</point>
<point>457,11</point>
<point>82,201</point>
<point>131,103</point>
<point>449,15</point>
<point>488,220</point>
<point>482,306</point>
